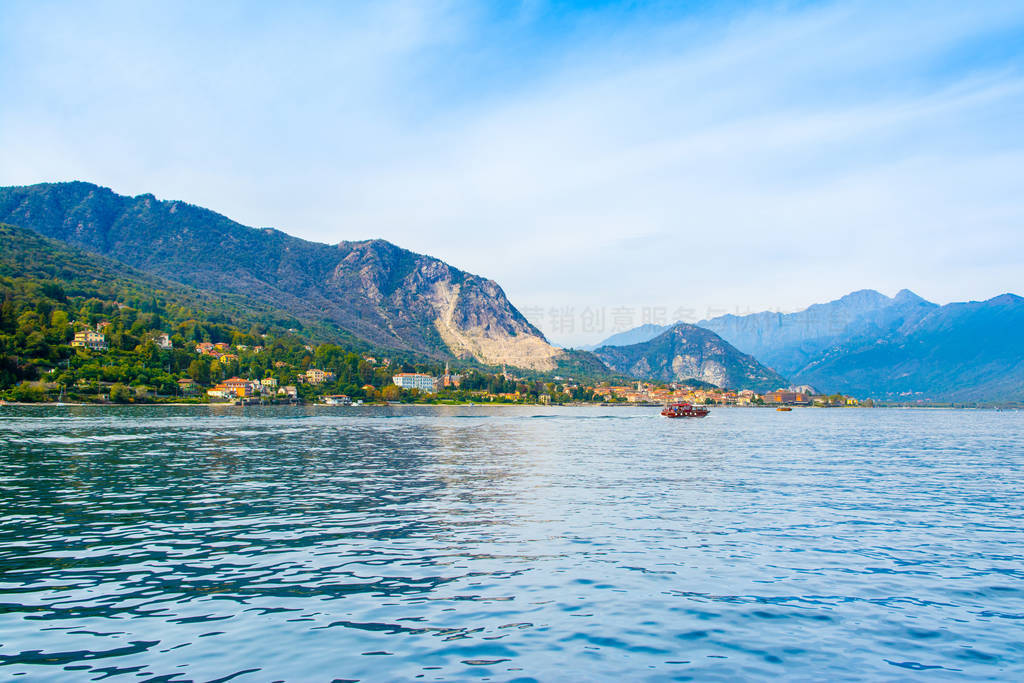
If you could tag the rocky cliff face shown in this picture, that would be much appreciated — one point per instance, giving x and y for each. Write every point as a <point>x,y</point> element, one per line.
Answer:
<point>379,292</point>
<point>688,352</point>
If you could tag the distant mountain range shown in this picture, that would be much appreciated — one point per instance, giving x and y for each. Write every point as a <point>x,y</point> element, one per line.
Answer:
<point>972,351</point>
<point>789,341</point>
<point>868,344</point>
<point>684,352</point>
<point>378,292</point>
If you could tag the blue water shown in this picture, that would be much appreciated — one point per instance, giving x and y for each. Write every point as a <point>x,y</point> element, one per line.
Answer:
<point>510,544</point>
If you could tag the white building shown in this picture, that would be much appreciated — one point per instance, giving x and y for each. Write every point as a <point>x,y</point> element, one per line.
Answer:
<point>163,342</point>
<point>416,380</point>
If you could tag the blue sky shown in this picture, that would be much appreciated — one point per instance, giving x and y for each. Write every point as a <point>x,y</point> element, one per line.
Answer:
<point>662,158</point>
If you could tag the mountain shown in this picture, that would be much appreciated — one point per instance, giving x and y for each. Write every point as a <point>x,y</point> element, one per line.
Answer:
<point>688,352</point>
<point>968,351</point>
<point>633,336</point>
<point>788,341</point>
<point>372,289</point>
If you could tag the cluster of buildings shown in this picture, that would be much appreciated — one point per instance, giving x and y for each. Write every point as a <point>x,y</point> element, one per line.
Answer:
<point>649,393</point>
<point>239,388</point>
<point>794,396</point>
<point>221,350</point>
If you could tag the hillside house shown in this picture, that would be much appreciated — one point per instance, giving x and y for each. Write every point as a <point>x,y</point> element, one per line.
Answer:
<point>94,341</point>
<point>315,376</point>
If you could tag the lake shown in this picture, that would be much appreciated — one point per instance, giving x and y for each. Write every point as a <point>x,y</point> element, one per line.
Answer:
<point>433,543</point>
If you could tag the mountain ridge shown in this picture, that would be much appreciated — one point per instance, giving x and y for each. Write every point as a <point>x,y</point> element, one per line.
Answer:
<point>685,352</point>
<point>963,351</point>
<point>377,291</point>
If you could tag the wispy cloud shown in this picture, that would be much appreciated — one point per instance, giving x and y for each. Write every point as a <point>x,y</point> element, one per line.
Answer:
<point>763,158</point>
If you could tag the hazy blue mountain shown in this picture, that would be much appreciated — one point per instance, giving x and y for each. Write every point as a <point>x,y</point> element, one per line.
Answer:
<point>788,341</point>
<point>971,351</point>
<point>685,352</point>
<point>375,290</point>
<point>633,336</point>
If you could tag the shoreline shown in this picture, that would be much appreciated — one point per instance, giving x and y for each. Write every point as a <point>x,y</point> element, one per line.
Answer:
<point>50,404</point>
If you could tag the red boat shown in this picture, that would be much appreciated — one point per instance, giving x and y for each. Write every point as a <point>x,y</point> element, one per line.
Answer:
<point>684,410</point>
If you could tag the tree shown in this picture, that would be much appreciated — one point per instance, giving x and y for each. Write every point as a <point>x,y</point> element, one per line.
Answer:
<point>391,392</point>
<point>58,319</point>
<point>26,393</point>
<point>119,393</point>
<point>199,371</point>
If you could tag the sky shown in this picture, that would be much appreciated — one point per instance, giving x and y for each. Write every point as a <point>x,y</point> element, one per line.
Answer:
<point>607,164</point>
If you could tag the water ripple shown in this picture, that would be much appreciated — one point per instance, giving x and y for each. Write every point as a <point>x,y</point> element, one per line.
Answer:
<point>513,543</point>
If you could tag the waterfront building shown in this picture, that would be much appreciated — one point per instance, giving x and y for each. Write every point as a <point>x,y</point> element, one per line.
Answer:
<point>337,400</point>
<point>416,380</point>
<point>187,386</point>
<point>219,391</point>
<point>783,397</point>
<point>236,386</point>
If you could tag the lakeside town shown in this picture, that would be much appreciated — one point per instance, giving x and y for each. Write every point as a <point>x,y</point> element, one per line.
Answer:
<point>245,372</point>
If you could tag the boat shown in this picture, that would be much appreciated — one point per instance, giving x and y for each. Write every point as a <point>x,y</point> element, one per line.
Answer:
<point>784,409</point>
<point>684,410</point>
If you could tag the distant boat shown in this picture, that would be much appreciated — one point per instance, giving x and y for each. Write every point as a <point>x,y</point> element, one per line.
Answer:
<point>784,409</point>
<point>684,410</point>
